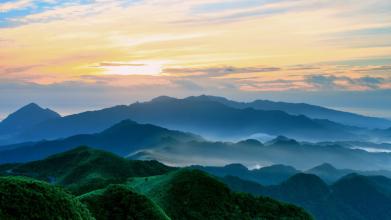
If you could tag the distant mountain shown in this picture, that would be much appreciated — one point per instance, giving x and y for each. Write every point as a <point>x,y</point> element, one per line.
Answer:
<point>352,197</point>
<point>311,111</point>
<point>366,195</point>
<point>211,119</point>
<point>301,155</point>
<point>270,175</point>
<point>25,118</point>
<point>330,174</point>
<point>83,169</point>
<point>191,194</point>
<point>122,139</point>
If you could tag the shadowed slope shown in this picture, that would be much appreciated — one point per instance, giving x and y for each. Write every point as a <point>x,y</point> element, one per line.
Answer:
<point>191,194</point>
<point>24,198</point>
<point>121,202</point>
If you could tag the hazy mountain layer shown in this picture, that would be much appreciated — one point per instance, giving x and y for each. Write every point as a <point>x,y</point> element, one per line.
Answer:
<point>206,117</point>
<point>303,156</point>
<point>122,139</point>
<point>270,175</point>
<point>352,197</point>
<point>311,111</point>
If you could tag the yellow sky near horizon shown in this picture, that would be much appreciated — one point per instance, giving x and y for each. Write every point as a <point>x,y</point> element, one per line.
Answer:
<point>119,43</point>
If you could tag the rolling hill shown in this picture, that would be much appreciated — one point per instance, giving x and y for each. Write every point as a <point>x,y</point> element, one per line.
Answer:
<point>191,194</point>
<point>352,197</point>
<point>149,190</point>
<point>25,198</point>
<point>83,169</point>
<point>121,202</point>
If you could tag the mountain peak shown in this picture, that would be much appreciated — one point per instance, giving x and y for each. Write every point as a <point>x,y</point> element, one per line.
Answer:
<point>325,166</point>
<point>163,99</point>
<point>26,117</point>
<point>236,166</point>
<point>278,168</point>
<point>122,126</point>
<point>282,140</point>
<point>208,98</point>
<point>251,142</point>
<point>32,105</point>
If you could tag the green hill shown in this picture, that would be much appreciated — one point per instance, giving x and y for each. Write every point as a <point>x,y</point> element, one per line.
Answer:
<point>25,198</point>
<point>84,169</point>
<point>353,197</point>
<point>192,194</point>
<point>121,202</point>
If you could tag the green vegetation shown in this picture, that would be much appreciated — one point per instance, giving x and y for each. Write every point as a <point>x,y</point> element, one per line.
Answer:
<point>192,194</point>
<point>25,198</point>
<point>148,191</point>
<point>84,169</point>
<point>121,202</point>
<point>353,197</point>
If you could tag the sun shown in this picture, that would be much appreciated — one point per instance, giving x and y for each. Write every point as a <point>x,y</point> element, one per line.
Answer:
<point>151,68</point>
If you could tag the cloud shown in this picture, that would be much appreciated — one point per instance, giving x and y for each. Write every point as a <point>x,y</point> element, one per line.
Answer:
<point>188,85</point>
<point>15,5</point>
<point>325,82</point>
<point>217,71</point>
<point>120,64</point>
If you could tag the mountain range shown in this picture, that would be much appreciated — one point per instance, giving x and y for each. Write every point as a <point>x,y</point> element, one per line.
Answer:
<point>150,142</point>
<point>270,175</point>
<point>253,153</point>
<point>312,111</point>
<point>211,117</point>
<point>350,198</point>
<point>278,173</point>
<point>122,139</point>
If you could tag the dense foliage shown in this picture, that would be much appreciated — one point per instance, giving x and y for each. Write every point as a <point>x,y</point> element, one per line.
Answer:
<point>121,202</point>
<point>84,169</point>
<point>25,198</point>
<point>353,197</point>
<point>192,194</point>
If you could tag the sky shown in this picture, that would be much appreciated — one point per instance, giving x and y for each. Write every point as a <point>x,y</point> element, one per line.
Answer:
<point>81,55</point>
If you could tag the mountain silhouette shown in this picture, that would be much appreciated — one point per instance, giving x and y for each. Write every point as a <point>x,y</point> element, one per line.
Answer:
<point>301,155</point>
<point>351,197</point>
<point>25,118</point>
<point>208,118</point>
<point>312,111</point>
<point>270,175</point>
<point>122,139</point>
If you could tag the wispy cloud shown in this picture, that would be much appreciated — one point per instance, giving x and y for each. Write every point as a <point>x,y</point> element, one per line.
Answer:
<point>15,5</point>
<point>212,46</point>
